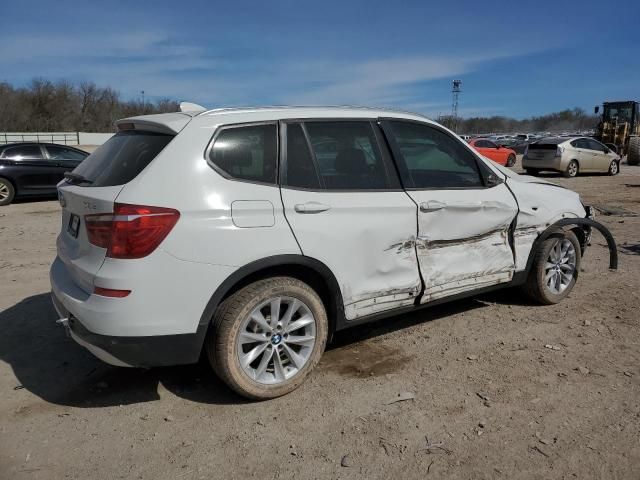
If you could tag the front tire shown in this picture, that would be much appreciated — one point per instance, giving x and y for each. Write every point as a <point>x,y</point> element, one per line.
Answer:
<point>7,192</point>
<point>267,337</point>
<point>555,268</point>
<point>572,169</point>
<point>511,160</point>
<point>614,168</point>
<point>633,155</point>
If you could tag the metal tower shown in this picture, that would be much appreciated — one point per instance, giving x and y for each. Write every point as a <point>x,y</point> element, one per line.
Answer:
<point>457,84</point>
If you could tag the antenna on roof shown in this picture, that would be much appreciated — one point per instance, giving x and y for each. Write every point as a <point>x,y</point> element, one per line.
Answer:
<point>191,107</point>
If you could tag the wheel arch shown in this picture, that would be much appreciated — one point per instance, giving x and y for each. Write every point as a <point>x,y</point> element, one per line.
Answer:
<point>576,225</point>
<point>307,269</point>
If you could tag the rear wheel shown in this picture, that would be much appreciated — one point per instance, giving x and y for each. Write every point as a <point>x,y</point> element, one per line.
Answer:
<point>555,268</point>
<point>511,160</point>
<point>633,156</point>
<point>614,167</point>
<point>267,337</point>
<point>572,169</point>
<point>7,192</point>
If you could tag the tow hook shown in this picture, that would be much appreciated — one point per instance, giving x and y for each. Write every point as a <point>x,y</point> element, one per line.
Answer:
<point>65,323</point>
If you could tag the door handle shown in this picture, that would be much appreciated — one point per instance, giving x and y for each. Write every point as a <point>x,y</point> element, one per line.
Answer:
<point>311,207</point>
<point>431,206</point>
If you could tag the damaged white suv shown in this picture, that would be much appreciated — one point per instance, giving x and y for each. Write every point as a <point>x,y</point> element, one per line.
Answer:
<point>254,234</point>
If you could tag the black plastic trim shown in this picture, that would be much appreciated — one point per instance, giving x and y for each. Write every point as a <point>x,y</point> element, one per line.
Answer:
<point>144,352</point>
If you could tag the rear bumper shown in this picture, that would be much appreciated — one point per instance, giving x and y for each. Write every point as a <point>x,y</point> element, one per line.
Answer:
<point>554,163</point>
<point>150,351</point>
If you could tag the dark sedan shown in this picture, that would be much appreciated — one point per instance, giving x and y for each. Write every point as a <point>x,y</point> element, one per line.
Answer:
<point>30,169</point>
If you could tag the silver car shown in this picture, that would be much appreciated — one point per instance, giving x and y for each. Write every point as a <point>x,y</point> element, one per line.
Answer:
<point>570,156</point>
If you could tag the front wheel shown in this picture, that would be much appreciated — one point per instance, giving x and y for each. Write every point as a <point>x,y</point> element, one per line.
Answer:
<point>555,268</point>
<point>614,168</point>
<point>267,337</point>
<point>511,160</point>
<point>572,169</point>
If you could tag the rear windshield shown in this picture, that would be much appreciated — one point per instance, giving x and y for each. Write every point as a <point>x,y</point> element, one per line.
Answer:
<point>122,157</point>
<point>546,144</point>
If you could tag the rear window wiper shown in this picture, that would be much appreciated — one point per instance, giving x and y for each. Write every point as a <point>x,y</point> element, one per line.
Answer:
<point>76,178</point>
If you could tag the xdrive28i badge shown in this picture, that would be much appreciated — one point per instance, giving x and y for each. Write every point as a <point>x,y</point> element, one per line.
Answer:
<point>61,199</point>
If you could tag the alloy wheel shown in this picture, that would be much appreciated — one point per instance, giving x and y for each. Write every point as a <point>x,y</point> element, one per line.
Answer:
<point>560,266</point>
<point>276,340</point>
<point>4,191</point>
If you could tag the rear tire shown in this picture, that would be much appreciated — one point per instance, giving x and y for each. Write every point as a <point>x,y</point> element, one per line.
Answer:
<point>614,168</point>
<point>261,350</point>
<point>572,169</point>
<point>511,160</point>
<point>555,268</point>
<point>633,155</point>
<point>7,192</point>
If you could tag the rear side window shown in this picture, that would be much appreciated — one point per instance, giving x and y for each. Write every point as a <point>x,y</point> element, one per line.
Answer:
<point>26,151</point>
<point>122,157</point>
<point>247,152</point>
<point>301,171</point>
<point>433,159</point>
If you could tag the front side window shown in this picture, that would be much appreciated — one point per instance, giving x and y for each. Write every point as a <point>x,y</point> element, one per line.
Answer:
<point>27,151</point>
<point>62,153</point>
<point>593,145</point>
<point>433,159</point>
<point>247,152</point>
<point>347,155</point>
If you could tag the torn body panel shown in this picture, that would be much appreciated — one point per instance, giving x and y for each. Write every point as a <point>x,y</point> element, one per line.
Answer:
<point>463,239</point>
<point>540,206</point>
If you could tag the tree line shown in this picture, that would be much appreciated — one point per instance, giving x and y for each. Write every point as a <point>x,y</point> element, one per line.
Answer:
<point>46,106</point>
<point>570,120</point>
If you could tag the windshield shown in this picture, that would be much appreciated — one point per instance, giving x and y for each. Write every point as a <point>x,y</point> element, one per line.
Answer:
<point>618,112</point>
<point>121,158</point>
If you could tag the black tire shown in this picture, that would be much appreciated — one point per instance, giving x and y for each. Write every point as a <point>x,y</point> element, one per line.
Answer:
<point>227,323</point>
<point>572,169</point>
<point>533,172</point>
<point>511,160</point>
<point>633,155</point>
<point>536,286</point>
<point>7,192</point>
<point>614,167</point>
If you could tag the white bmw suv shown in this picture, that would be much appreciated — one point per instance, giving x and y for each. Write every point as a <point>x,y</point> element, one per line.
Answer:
<point>255,234</point>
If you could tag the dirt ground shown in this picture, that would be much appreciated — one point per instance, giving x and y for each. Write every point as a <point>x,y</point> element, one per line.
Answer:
<point>502,388</point>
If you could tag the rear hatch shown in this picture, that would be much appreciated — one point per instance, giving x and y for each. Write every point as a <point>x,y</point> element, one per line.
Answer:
<point>92,188</point>
<point>543,149</point>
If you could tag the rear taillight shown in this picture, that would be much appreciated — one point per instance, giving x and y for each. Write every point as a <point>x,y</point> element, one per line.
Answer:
<point>131,231</point>
<point>110,292</point>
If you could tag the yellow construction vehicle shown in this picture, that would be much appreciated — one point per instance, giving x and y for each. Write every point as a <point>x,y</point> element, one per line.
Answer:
<point>619,126</point>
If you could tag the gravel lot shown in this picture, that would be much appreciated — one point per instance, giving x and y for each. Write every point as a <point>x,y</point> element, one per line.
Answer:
<point>491,398</point>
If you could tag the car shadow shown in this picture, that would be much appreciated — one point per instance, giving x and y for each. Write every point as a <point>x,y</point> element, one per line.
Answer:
<point>52,366</point>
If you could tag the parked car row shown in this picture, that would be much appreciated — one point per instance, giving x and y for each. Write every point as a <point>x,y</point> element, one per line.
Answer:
<point>34,169</point>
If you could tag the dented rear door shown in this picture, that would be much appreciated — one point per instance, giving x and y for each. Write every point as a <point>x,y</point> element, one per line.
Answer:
<point>346,208</point>
<point>463,224</point>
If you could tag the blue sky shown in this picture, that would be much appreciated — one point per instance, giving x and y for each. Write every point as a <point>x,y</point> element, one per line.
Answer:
<point>514,59</point>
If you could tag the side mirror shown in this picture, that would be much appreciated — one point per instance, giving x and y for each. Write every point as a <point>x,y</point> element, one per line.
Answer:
<point>596,109</point>
<point>493,180</point>
<point>606,150</point>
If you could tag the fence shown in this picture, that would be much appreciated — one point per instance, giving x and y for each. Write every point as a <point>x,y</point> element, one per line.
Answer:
<point>62,138</point>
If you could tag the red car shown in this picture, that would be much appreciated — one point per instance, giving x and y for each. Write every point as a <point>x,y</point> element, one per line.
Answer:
<point>502,155</point>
